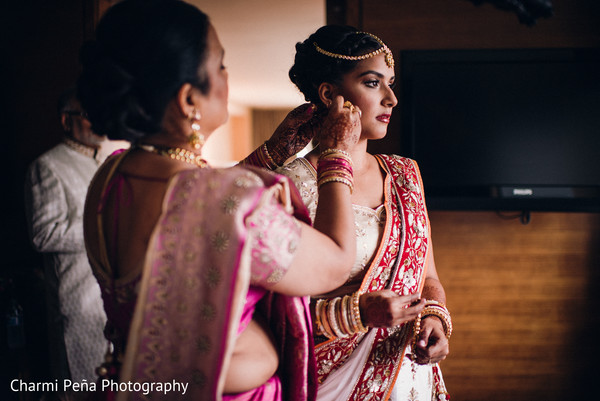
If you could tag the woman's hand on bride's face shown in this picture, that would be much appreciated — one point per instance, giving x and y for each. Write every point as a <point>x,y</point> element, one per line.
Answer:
<point>340,127</point>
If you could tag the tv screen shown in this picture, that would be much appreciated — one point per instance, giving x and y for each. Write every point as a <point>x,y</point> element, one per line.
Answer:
<point>504,129</point>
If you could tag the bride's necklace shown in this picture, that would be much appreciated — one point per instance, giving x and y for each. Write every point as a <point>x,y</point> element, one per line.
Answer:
<point>184,155</point>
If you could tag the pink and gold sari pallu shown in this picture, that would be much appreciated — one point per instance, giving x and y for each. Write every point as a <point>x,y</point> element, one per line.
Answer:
<point>194,289</point>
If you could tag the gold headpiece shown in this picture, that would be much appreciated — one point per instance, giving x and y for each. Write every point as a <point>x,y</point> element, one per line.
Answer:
<point>389,57</point>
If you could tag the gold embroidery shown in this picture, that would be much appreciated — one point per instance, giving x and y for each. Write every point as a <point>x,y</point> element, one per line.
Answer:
<point>220,241</point>
<point>199,231</point>
<point>189,282</point>
<point>242,182</point>
<point>203,344</point>
<point>189,256</point>
<point>276,276</point>
<point>213,277</point>
<point>199,204</point>
<point>182,307</point>
<point>208,311</point>
<point>230,204</point>
<point>182,334</point>
<point>199,378</point>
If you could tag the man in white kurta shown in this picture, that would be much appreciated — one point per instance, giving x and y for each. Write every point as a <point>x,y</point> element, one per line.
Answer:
<point>55,188</point>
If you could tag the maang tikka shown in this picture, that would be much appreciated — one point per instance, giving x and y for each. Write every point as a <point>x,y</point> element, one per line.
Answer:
<point>196,139</point>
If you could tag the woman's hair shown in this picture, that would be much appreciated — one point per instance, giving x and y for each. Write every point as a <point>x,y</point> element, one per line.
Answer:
<point>312,67</point>
<point>144,51</point>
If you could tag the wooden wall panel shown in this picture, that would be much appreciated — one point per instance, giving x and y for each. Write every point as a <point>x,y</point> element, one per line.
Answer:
<point>524,298</point>
<point>521,298</point>
<point>264,123</point>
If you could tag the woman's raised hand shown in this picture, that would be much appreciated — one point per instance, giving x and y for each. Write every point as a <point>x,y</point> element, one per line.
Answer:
<point>385,308</point>
<point>294,133</point>
<point>340,127</point>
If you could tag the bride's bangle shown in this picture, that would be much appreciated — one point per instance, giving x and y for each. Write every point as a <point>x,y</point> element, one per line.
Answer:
<point>439,310</point>
<point>335,165</point>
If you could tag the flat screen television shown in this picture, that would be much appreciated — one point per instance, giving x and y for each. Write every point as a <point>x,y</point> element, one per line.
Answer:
<point>504,129</point>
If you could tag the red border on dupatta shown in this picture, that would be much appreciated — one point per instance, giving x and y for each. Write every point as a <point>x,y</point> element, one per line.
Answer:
<point>406,234</point>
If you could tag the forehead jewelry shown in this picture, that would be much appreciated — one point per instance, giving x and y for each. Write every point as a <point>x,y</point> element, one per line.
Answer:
<point>389,58</point>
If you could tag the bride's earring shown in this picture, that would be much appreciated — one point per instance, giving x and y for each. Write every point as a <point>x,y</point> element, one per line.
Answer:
<point>196,139</point>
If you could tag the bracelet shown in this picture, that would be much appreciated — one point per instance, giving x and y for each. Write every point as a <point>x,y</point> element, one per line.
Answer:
<point>260,158</point>
<point>327,331</point>
<point>330,151</point>
<point>333,321</point>
<point>318,323</point>
<point>344,318</point>
<point>335,165</point>
<point>267,156</point>
<point>339,317</point>
<point>356,313</point>
<point>438,309</point>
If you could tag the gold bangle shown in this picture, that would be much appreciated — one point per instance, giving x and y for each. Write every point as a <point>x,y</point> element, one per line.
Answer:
<point>268,159</point>
<point>327,331</point>
<point>332,318</point>
<point>318,323</point>
<point>331,151</point>
<point>341,180</point>
<point>433,302</point>
<point>438,309</point>
<point>344,315</point>
<point>356,313</point>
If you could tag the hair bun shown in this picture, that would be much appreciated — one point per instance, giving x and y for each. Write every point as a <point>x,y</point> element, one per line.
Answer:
<point>142,53</point>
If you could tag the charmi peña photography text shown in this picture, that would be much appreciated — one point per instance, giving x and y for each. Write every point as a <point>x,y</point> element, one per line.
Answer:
<point>18,385</point>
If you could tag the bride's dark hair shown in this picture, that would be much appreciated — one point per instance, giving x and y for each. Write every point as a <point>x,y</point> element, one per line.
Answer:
<point>311,68</point>
<point>144,51</point>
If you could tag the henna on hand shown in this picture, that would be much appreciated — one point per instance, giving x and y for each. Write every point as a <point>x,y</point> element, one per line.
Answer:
<point>432,346</point>
<point>293,134</point>
<point>341,127</point>
<point>385,308</point>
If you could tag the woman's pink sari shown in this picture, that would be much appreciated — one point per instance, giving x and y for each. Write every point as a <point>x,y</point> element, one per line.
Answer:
<point>196,291</point>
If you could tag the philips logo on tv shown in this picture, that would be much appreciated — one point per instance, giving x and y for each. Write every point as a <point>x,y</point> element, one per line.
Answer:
<point>522,191</point>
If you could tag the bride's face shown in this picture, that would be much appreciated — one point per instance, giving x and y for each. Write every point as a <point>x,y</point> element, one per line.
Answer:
<point>369,86</point>
<point>214,112</point>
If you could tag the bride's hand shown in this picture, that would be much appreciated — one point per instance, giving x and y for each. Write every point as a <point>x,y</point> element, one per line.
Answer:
<point>385,308</point>
<point>340,127</point>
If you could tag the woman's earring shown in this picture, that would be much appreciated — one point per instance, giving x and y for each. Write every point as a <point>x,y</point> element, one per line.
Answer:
<point>196,139</point>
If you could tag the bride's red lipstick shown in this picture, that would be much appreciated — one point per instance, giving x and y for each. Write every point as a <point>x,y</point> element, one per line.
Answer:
<point>384,118</point>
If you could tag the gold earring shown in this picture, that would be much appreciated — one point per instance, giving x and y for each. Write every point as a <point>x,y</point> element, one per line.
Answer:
<point>196,139</point>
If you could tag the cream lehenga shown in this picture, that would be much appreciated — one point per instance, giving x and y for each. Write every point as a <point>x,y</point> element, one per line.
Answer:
<point>392,246</point>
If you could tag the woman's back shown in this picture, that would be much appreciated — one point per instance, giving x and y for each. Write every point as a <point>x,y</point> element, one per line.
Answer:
<point>130,202</point>
<point>127,197</point>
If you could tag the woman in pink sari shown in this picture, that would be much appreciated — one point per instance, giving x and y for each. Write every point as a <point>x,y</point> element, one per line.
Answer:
<point>389,350</point>
<point>203,271</point>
